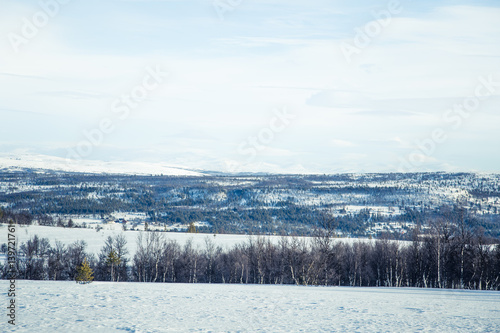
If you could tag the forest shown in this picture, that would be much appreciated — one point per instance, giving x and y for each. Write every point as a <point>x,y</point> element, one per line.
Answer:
<point>263,204</point>
<point>453,242</point>
<point>449,257</point>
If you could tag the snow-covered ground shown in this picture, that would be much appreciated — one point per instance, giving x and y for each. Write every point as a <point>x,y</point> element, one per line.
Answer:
<point>45,306</point>
<point>95,240</point>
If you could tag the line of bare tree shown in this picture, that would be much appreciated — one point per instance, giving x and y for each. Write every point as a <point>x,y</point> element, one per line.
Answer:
<point>448,257</point>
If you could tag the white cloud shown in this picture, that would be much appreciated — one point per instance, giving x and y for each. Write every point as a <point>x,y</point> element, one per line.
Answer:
<point>342,143</point>
<point>228,80</point>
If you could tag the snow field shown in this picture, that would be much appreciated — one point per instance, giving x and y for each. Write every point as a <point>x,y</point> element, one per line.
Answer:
<point>95,240</point>
<point>46,306</point>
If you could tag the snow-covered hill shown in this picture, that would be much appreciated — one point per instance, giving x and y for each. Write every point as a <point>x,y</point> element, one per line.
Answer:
<point>44,162</point>
<point>364,205</point>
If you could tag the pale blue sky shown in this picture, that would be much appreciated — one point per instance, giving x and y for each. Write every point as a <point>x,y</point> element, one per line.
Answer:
<point>228,78</point>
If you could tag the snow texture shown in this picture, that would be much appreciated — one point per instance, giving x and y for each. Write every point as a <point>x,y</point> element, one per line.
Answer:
<point>46,306</point>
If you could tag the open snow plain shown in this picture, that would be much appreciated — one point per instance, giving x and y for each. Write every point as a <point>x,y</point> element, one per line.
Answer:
<point>95,240</point>
<point>45,306</point>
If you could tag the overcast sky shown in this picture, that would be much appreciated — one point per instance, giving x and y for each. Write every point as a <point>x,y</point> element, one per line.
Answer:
<point>254,85</point>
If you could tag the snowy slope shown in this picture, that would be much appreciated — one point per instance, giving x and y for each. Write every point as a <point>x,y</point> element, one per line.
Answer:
<point>95,240</point>
<point>46,306</point>
<point>44,162</point>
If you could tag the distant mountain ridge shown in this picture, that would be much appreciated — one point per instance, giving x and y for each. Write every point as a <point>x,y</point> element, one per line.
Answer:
<point>45,162</point>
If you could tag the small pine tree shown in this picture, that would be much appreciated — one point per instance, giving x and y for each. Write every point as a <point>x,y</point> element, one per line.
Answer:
<point>84,274</point>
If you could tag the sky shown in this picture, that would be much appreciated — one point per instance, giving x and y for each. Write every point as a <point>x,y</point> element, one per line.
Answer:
<point>281,86</point>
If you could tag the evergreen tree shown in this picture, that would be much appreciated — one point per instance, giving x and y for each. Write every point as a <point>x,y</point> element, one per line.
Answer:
<point>84,273</point>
